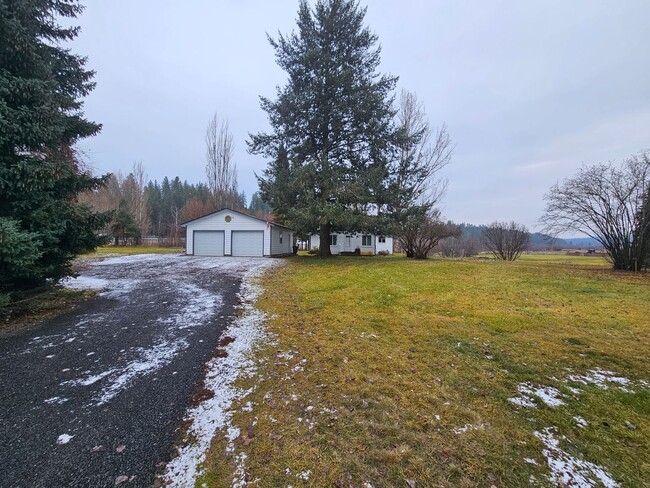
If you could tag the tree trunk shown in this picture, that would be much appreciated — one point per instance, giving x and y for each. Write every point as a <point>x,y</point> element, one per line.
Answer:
<point>324,234</point>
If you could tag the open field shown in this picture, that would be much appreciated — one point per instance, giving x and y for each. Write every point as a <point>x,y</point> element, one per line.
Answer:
<point>388,372</point>
<point>562,258</point>
<point>137,250</point>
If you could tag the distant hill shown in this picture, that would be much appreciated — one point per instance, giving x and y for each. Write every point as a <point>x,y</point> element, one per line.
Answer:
<point>583,242</point>
<point>537,239</point>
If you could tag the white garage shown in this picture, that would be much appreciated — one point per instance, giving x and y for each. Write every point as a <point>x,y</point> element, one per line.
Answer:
<point>228,232</point>
<point>209,243</point>
<point>247,243</point>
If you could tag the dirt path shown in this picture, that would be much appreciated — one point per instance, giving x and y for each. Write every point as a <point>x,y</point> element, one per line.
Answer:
<point>96,396</point>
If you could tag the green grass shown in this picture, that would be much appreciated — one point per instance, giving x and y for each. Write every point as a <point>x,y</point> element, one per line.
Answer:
<point>562,258</point>
<point>394,355</point>
<point>555,258</point>
<point>137,250</point>
<point>30,307</point>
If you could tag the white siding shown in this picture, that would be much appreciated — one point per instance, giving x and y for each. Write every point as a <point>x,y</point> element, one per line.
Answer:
<point>356,241</point>
<point>287,241</point>
<point>385,246</point>
<point>216,221</point>
<point>314,241</point>
<point>247,242</point>
<point>208,242</point>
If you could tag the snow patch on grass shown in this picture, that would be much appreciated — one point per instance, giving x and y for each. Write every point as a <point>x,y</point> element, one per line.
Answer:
<point>580,422</point>
<point>214,413</point>
<point>547,394</point>
<point>239,476</point>
<point>523,401</point>
<point>466,427</point>
<point>601,378</point>
<point>304,475</point>
<point>569,471</point>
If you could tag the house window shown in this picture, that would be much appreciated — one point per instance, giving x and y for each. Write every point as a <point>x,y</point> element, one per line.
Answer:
<point>280,237</point>
<point>382,239</point>
<point>333,239</point>
<point>366,240</point>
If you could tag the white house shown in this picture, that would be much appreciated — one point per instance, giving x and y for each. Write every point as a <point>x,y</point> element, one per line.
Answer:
<point>227,232</point>
<point>367,244</point>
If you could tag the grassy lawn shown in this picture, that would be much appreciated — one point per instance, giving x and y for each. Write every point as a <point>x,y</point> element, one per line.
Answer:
<point>137,250</point>
<point>561,258</point>
<point>388,372</point>
<point>31,307</point>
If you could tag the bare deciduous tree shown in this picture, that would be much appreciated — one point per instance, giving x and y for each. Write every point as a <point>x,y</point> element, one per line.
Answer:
<point>608,203</point>
<point>195,208</point>
<point>220,167</point>
<point>141,213</point>
<point>420,235</point>
<point>459,247</point>
<point>423,153</point>
<point>506,240</point>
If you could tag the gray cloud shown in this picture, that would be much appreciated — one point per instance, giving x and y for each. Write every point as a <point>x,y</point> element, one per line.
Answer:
<point>529,90</point>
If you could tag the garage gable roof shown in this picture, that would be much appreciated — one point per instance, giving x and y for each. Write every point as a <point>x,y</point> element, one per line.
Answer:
<point>234,211</point>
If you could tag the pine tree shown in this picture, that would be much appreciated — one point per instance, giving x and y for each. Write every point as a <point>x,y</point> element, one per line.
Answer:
<point>41,118</point>
<point>334,117</point>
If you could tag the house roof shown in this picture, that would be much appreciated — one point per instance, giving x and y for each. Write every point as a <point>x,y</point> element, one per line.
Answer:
<point>234,211</point>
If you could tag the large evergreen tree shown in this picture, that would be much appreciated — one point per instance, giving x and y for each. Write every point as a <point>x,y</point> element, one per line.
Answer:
<point>334,118</point>
<point>41,118</point>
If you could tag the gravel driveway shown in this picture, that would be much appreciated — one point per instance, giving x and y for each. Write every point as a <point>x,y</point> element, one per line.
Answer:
<point>96,396</point>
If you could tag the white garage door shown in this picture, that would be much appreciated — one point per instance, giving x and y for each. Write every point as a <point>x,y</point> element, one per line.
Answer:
<point>208,242</point>
<point>247,243</point>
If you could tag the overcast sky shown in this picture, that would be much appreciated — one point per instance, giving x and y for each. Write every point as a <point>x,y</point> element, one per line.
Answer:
<point>529,90</point>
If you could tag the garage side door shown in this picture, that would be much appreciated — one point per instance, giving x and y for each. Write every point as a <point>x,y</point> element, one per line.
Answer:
<point>208,243</point>
<point>248,243</point>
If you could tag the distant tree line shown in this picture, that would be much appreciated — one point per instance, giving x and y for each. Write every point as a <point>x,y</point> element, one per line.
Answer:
<point>158,209</point>
<point>153,209</point>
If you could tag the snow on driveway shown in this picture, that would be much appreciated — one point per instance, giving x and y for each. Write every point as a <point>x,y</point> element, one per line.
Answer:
<point>118,371</point>
<point>213,414</point>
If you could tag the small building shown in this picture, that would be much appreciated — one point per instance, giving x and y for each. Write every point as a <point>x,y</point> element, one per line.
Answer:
<point>228,232</point>
<point>348,243</point>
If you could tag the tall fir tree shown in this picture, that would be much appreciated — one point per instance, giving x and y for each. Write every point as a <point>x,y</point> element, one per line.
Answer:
<point>334,118</point>
<point>41,118</point>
